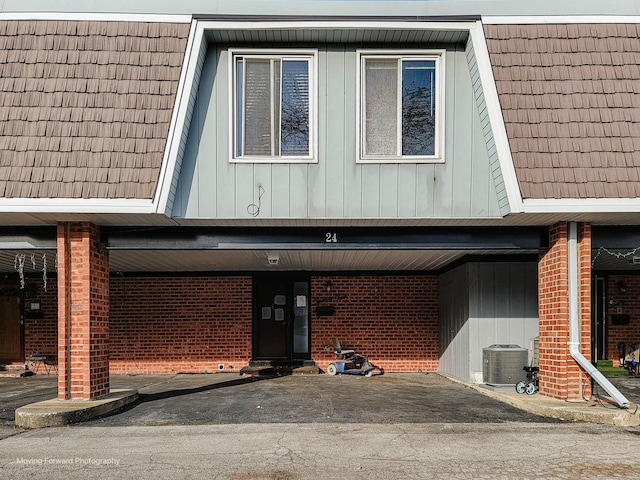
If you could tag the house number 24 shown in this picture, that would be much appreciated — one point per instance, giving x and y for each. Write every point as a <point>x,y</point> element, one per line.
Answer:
<point>331,237</point>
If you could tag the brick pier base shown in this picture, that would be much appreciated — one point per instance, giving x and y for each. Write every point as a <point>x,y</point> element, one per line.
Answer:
<point>83,313</point>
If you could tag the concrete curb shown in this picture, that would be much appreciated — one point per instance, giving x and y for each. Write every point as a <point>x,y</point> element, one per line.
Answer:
<point>538,404</point>
<point>56,413</point>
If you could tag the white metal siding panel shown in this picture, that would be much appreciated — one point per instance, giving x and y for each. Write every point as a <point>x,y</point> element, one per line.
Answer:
<point>336,187</point>
<point>210,136</point>
<point>184,134</point>
<point>453,324</point>
<point>281,197</point>
<point>223,186</point>
<point>353,173</point>
<point>503,306</point>
<point>500,188</point>
<point>462,141</point>
<point>333,122</point>
<point>482,304</point>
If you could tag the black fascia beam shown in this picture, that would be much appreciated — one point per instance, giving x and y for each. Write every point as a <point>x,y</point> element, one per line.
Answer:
<point>31,237</point>
<point>323,238</point>
<point>615,236</point>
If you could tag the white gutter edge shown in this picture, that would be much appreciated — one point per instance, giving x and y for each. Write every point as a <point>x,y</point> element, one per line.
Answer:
<point>76,205</point>
<point>557,19</point>
<point>97,17</point>
<point>574,321</point>
<point>581,205</point>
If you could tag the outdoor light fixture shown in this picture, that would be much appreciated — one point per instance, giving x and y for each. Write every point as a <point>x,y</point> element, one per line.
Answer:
<point>328,286</point>
<point>273,261</point>
<point>622,288</point>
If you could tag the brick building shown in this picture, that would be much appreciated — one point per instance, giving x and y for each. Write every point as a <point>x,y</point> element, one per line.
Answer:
<point>190,190</point>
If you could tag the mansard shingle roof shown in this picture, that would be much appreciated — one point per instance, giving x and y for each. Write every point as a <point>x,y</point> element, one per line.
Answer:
<point>570,96</point>
<point>85,106</point>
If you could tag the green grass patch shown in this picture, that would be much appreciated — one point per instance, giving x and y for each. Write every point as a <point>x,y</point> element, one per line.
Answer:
<point>604,363</point>
<point>612,371</point>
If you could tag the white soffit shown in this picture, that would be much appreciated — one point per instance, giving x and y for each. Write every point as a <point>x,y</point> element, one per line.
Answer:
<point>288,260</point>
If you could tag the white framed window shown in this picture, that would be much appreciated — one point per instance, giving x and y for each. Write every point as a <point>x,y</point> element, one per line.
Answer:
<point>400,106</point>
<point>273,105</point>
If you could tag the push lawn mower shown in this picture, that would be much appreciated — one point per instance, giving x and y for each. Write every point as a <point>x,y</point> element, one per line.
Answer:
<point>350,363</point>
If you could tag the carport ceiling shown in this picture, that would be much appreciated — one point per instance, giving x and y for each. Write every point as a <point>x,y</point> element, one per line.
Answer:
<point>256,260</point>
<point>289,260</point>
<point>312,260</point>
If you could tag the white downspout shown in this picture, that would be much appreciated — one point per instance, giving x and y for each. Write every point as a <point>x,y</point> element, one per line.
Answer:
<point>574,322</point>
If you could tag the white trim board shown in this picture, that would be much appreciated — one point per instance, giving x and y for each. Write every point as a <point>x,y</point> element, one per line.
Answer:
<point>582,205</point>
<point>98,17</point>
<point>75,205</point>
<point>332,25</point>
<point>558,19</point>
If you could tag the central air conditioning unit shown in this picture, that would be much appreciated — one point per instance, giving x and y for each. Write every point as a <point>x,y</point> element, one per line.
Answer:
<point>502,364</point>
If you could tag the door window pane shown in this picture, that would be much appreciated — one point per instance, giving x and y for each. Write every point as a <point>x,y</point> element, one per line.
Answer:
<point>301,318</point>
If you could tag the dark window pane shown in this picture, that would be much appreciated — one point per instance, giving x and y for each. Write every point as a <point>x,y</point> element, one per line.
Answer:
<point>295,108</point>
<point>418,107</point>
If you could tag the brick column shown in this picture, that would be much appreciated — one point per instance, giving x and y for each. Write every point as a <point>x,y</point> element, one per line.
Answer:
<point>560,375</point>
<point>584,295</point>
<point>83,313</point>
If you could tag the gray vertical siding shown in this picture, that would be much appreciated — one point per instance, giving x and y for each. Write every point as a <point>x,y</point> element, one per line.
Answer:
<point>185,134</point>
<point>486,131</point>
<point>336,186</point>
<point>501,306</point>
<point>454,323</point>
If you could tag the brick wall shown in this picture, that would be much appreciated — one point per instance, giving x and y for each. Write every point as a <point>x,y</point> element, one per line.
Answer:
<point>41,333</point>
<point>180,324</point>
<point>193,324</point>
<point>560,376</point>
<point>391,319</point>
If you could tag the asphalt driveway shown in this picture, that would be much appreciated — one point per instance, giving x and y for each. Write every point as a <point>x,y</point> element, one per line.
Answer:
<point>227,398</point>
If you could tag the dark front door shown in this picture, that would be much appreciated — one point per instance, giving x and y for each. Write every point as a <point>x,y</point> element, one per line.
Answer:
<point>281,319</point>
<point>10,329</point>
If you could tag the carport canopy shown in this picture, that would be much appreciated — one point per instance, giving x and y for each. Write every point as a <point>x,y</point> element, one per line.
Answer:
<point>208,249</point>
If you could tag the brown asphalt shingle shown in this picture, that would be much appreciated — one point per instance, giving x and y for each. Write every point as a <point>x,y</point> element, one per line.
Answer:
<point>85,106</point>
<point>570,96</point>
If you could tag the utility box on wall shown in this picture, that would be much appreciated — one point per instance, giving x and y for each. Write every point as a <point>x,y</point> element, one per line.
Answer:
<point>502,364</point>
